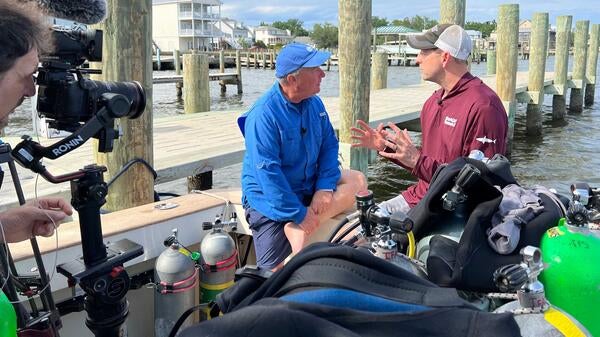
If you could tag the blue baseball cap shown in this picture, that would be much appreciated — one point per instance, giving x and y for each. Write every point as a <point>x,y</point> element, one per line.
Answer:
<point>297,55</point>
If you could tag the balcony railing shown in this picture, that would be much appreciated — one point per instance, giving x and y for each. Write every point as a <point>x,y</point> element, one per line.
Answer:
<point>198,15</point>
<point>198,32</point>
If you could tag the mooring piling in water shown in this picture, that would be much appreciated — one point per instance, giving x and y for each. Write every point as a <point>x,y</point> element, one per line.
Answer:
<point>592,65</point>
<point>196,96</point>
<point>579,63</point>
<point>354,64</point>
<point>491,61</point>
<point>561,64</point>
<point>537,72</point>
<point>506,66</point>
<point>453,11</point>
<point>379,70</point>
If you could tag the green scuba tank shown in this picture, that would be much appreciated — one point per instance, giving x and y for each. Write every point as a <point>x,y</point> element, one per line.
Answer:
<point>534,315</point>
<point>572,278</point>
<point>8,322</point>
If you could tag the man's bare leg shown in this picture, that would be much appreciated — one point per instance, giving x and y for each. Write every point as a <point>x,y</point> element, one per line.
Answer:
<point>343,198</point>
<point>349,184</point>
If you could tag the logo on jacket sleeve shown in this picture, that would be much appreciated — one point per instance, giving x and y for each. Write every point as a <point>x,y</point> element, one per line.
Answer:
<point>450,121</point>
<point>485,140</point>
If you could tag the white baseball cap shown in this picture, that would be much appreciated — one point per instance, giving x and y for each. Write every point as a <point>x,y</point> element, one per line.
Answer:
<point>450,38</point>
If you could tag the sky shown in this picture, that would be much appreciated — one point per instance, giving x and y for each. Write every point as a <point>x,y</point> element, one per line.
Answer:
<point>321,11</point>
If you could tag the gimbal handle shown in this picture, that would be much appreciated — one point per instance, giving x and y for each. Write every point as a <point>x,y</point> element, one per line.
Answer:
<point>29,153</point>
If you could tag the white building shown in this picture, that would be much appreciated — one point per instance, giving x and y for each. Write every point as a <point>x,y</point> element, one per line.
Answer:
<point>234,33</point>
<point>474,34</point>
<point>185,24</point>
<point>271,36</point>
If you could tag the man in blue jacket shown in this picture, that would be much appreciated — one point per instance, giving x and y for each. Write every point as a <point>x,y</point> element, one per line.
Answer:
<point>291,180</point>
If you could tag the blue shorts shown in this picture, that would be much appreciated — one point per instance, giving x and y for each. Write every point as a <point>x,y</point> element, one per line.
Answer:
<point>270,243</point>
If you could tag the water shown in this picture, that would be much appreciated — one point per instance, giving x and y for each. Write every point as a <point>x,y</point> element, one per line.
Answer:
<point>565,153</point>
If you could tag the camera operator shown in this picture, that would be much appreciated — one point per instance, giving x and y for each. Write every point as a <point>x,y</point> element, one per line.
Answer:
<point>23,34</point>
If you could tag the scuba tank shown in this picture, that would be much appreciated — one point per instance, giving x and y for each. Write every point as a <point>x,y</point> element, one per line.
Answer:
<point>176,276</point>
<point>532,312</point>
<point>572,277</point>
<point>219,259</point>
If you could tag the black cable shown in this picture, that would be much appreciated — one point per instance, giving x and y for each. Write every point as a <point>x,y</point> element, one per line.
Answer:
<point>128,165</point>
<point>347,231</point>
<point>340,225</point>
<point>351,242</point>
<point>184,316</point>
<point>337,228</point>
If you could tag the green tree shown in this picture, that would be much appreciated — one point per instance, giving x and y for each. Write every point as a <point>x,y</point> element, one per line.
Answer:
<point>379,22</point>
<point>262,23</point>
<point>294,25</point>
<point>325,35</point>
<point>260,44</point>
<point>417,22</point>
<point>486,28</point>
<point>243,42</point>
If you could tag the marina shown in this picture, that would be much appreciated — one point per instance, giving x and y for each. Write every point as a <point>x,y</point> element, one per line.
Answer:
<point>184,147</point>
<point>190,133</point>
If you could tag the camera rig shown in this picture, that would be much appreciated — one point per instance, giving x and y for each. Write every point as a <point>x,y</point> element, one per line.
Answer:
<point>88,109</point>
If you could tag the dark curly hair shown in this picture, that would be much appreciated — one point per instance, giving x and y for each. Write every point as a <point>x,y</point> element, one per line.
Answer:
<point>22,27</point>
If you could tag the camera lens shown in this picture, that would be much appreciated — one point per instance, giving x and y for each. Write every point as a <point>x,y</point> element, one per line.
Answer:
<point>133,91</point>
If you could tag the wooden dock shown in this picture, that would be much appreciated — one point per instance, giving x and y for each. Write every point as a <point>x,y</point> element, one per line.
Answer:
<point>190,144</point>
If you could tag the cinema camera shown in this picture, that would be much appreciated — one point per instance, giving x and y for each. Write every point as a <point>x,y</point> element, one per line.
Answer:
<point>68,99</point>
<point>88,109</point>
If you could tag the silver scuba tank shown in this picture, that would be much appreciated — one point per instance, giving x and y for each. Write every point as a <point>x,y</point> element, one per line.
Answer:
<point>219,260</point>
<point>532,312</point>
<point>176,277</point>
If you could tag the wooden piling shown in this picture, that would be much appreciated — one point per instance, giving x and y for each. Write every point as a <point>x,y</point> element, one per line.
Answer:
<point>272,60</point>
<point>247,59</point>
<point>238,69</point>
<point>158,61</point>
<point>129,23</point>
<point>354,34</point>
<point>255,60</point>
<point>452,11</point>
<point>579,63</point>
<point>591,67</point>
<point>506,69</point>
<point>177,67</point>
<point>222,70</point>
<point>379,70</point>
<point>221,61</point>
<point>264,60</point>
<point>196,96</point>
<point>561,65</point>
<point>537,70</point>
<point>491,61</point>
<point>202,181</point>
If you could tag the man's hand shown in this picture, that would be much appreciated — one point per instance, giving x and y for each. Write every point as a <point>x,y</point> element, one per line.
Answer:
<point>368,137</point>
<point>297,234</point>
<point>405,151</point>
<point>321,201</point>
<point>34,218</point>
<point>310,222</point>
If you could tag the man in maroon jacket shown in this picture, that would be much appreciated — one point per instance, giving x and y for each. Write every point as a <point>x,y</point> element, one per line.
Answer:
<point>462,116</point>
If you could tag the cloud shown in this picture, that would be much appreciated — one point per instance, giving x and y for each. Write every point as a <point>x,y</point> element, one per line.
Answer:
<point>278,10</point>
<point>229,7</point>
